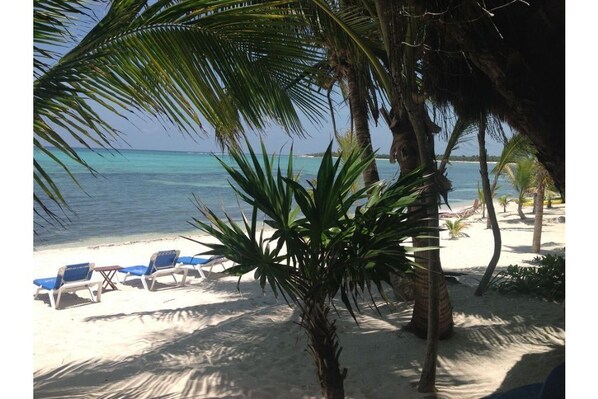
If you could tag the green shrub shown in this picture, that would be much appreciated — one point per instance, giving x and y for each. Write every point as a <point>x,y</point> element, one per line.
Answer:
<point>547,280</point>
<point>455,228</point>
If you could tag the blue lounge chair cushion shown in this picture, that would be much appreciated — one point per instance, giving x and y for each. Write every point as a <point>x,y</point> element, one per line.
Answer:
<point>160,260</point>
<point>49,283</point>
<point>76,272</point>
<point>161,263</point>
<point>70,278</point>
<point>135,270</point>
<point>192,260</point>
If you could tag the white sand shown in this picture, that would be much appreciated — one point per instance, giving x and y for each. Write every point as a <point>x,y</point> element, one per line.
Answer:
<point>207,340</point>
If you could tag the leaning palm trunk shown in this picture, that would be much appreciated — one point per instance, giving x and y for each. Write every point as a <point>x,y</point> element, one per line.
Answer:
<point>537,237</point>
<point>520,207</point>
<point>324,348</point>
<point>359,115</point>
<point>491,212</point>
<point>405,150</point>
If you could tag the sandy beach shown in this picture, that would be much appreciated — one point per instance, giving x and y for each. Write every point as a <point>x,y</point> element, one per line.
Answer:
<point>208,339</point>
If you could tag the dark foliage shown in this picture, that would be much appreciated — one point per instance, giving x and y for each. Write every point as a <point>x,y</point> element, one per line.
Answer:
<point>546,281</point>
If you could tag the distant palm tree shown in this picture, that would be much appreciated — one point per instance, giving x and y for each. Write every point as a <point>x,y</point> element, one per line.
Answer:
<point>503,201</point>
<point>455,228</point>
<point>521,176</point>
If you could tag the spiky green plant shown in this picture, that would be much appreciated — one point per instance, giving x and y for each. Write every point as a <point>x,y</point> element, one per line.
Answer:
<point>327,240</point>
<point>455,228</point>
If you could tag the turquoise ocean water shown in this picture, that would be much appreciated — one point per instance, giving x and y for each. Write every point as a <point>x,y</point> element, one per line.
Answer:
<point>139,194</point>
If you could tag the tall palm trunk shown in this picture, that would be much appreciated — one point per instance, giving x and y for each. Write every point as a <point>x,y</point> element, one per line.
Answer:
<point>520,208</point>
<point>407,151</point>
<point>537,237</point>
<point>324,348</point>
<point>359,115</point>
<point>491,212</point>
<point>412,146</point>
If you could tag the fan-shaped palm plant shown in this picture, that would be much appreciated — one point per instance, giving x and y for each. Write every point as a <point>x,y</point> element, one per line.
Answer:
<point>327,241</point>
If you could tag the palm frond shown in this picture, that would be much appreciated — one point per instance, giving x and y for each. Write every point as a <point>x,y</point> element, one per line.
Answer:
<point>228,64</point>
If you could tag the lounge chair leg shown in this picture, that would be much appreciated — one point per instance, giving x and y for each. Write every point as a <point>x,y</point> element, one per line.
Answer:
<point>57,304</point>
<point>99,293</point>
<point>185,271</point>
<point>144,282</point>
<point>52,302</point>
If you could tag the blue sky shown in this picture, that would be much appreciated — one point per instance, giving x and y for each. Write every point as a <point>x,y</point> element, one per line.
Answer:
<point>144,133</point>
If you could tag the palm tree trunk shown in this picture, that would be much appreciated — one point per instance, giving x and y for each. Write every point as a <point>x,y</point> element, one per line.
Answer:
<point>324,348</point>
<point>520,209</point>
<point>411,147</point>
<point>359,116</point>
<point>411,150</point>
<point>537,237</point>
<point>491,212</point>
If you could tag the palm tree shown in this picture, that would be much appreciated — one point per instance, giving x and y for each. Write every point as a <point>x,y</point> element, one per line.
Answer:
<point>503,201</point>
<point>346,65</point>
<point>521,177</point>
<point>488,192</point>
<point>184,63</point>
<point>455,228</point>
<point>335,242</point>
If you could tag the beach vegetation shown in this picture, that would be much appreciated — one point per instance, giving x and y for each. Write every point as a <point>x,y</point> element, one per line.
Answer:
<point>421,53</point>
<point>544,279</point>
<point>489,191</point>
<point>521,176</point>
<point>455,228</point>
<point>504,200</point>
<point>179,63</point>
<point>328,242</point>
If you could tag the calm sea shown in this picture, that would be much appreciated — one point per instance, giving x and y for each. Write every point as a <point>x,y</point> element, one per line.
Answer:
<point>138,194</point>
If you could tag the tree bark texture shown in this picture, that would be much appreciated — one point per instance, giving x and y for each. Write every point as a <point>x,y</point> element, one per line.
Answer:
<point>359,115</point>
<point>411,151</point>
<point>483,285</point>
<point>537,237</point>
<point>324,348</point>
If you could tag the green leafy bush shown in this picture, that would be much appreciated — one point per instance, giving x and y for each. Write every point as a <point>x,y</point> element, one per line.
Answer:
<point>546,280</point>
<point>455,228</point>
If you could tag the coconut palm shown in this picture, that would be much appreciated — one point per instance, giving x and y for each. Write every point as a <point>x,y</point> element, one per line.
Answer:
<point>521,176</point>
<point>327,242</point>
<point>185,63</point>
<point>455,228</point>
<point>503,201</point>
<point>329,23</point>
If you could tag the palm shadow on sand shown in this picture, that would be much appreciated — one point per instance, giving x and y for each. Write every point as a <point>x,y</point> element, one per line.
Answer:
<point>243,353</point>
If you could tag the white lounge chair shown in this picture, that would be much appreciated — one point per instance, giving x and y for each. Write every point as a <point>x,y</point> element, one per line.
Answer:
<point>200,263</point>
<point>70,278</point>
<point>161,263</point>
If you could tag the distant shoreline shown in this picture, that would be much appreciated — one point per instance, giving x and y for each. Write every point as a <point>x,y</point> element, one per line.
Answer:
<point>456,158</point>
